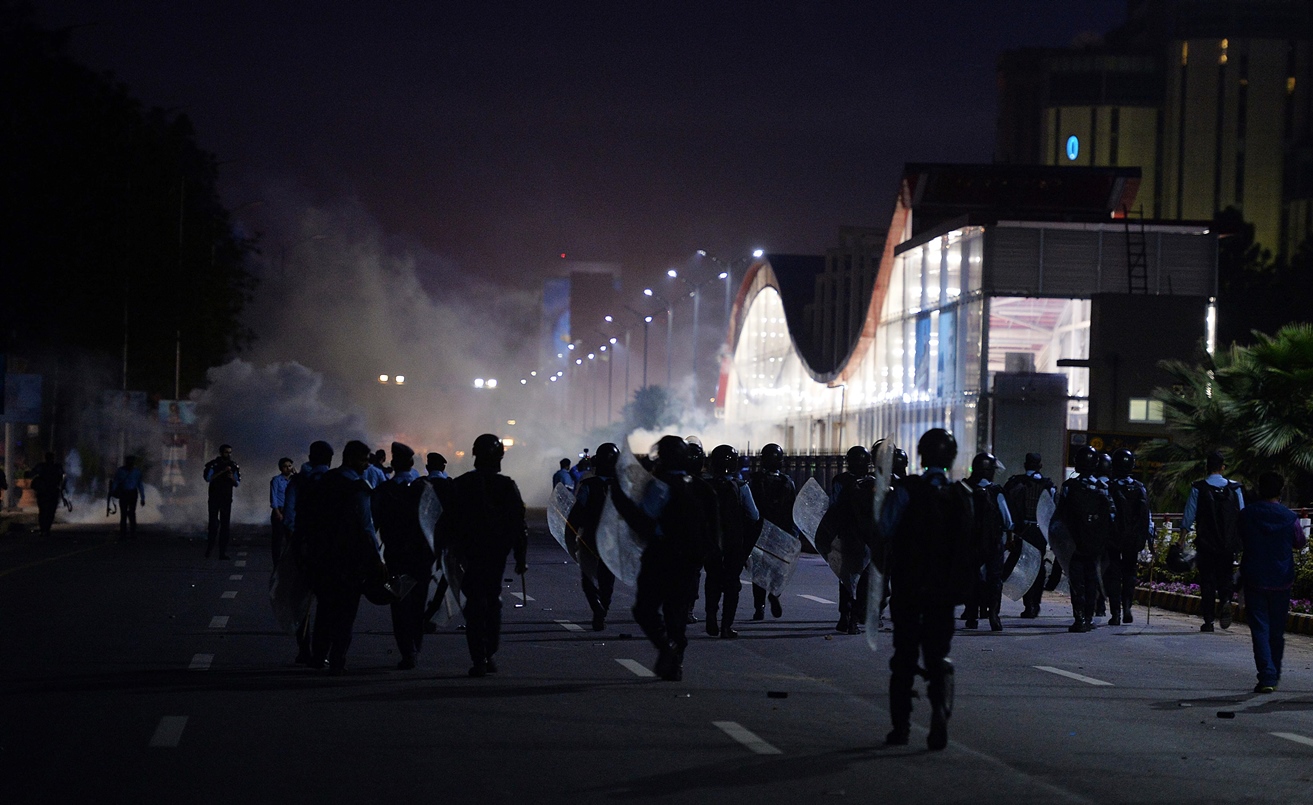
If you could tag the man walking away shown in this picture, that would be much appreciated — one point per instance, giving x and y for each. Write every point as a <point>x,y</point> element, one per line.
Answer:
<point>1213,509</point>
<point>1131,533</point>
<point>277,505</point>
<point>396,506</point>
<point>300,529</point>
<point>223,475</point>
<point>48,484</point>
<point>126,487</point>
<point>1270,534</point>
<point>1023,493</point>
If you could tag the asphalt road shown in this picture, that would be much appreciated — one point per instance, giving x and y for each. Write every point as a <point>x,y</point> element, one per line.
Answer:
<point>141,672</point>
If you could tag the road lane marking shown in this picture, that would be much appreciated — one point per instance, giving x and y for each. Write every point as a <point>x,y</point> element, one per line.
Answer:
<point>637,667</point>
<point>201,662</point>
<point>219,622</point>
<point>240,563</point>
<point>746,737</point>
<point>229,594</point>
<point>817,599</point>
<point>1089,680</point>
<point>241,553</point>
<point>169,732</point>
<point>570,627</point>
<point>524,597</point>
<point>235,577</point>
<point>1291,736</point>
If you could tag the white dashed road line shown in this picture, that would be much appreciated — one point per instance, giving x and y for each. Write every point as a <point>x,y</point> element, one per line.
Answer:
<point>235,577</point>
<point>570,627</point>
<point>746,737</point>
<point>1292,736</point>
<point>169,732</point>
<point>229,594</point>
<point>817,599</point>
<point>637,667</point>
<point>523,597</point>
<point>219,622</point>
<point>241,553</point>
<point>240,563</point>
<point>201,662</point>
<point>1089,680</point>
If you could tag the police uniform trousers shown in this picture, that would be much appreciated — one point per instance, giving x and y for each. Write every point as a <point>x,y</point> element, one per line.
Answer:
<point>722,583</point>
<point>408,614</point>
<point>335,617</point>
<point>923,632</point>
<point>599,594</point>
<point>221,512</point>
<point>852,603</point>
<point>1119,578</point>
<point>662,596</point>
<point>481,585</point>
<point>46,506</point>
<point>128,516</point>
<point>1215,581</point>
<point>277,535</point>
<point>1083,579</point>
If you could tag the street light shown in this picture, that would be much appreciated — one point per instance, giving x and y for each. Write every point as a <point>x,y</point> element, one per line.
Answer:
<point>647,320</point>
<point>670,330</point>
<point>696,293</point>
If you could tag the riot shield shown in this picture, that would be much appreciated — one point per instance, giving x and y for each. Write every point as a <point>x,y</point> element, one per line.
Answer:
<point>882,466</point>
<point>1026,565</point>
<point>1063,546</point>
<point>617,544</point>
<point>774,558</point>
<point>289,593</point>
<point>1044,513</point>
<point>558,509</point>
<point>430,509</point>
<point>455,574</point>
<point>874,592</point>
<point>808,509</point>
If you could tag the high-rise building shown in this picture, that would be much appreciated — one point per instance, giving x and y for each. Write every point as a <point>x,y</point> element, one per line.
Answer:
<point>1211,99</point>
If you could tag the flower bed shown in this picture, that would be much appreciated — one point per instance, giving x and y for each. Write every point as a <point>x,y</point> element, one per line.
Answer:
<point>1183,597</point>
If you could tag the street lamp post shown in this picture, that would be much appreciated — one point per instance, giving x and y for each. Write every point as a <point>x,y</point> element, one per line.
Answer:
<point>670,328</point>
<point>647,320</point>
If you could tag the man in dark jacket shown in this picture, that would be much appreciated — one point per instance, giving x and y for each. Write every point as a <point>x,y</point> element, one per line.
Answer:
<point>396,508</point>
<point>1085,509</point>
<point>584,516</point>
<point>774,493</point>
<point>1271,534</point>
<point>1213,510</point>
<point>48,483</point>
<point>725,560</point>
<point>482,526</point>
<point>223,476</point>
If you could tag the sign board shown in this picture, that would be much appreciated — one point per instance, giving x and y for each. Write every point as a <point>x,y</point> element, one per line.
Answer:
<point>22,399</point>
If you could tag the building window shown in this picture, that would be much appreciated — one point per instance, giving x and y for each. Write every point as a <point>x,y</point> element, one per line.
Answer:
<point>1143,409</point>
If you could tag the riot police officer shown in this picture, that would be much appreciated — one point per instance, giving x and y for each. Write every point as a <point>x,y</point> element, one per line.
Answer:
<point>850,520</point>
<point>993,522</point>
<point>1086,512</point>
<point>1132,531</point>
<point>724,561</point>
<point>774,493</point>
<point>590,499</point>
<point>1023,493</point>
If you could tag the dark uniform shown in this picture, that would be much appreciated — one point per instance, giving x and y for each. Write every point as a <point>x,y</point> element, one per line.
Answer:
<point>992,523</point>
<point>590,499</point>
<point>774,493</point>
<point>48,485</point>
<point>344,554</point>
<point>1086,510</point>
<point>738,516</point>
<point>1213,509</point>
<point>850,519</point>
<point>298,531</point>
<point>677,519</point>
<point>396,509</point>
<point>1131,533</point>
<point>223,476</point>
<point>1023,493</point>
<point>924,536</point>
<point>482,525</point>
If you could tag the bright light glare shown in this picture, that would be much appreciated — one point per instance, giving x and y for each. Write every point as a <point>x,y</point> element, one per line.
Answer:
<point>553,378</point>
<point>647,319</point>
<point>508,442</point>
<point>571,346</point>
<point>510,422</point>
<point>533,374</point>
<point>478,382</point>
<point>578,361</point>
<point>758,253</point>
<point>382,378</point>
<point>702,252</point>
<point>492,383</point>
<point>612,340</point>
<point>647,292</point>
<point>602,348</point>
<point>672,273</point>
<point>724,275</point>
<point>524,382</point>
<point>401,379</point>
<point>608,318</point>
<point>591,356</point>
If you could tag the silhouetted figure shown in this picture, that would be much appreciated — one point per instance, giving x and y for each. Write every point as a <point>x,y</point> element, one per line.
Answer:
<point>48,484</point>
<point>299,530</point>
<point>1023,492</point>
<point>851,520</point>
<point>223,476</point>
<point>396,507</point>
<point>1270,534</point>
<point>563,475</point>
<point>590,499</point>
<point>1213,509</point>
<point>1132,531</point>
<point>1086,510</point>
<point>127,488</point>
<point>774,493</point>
<point>436,465</point>
<point>993,522</point>
<point>724,560</point>
<point>277,504</point>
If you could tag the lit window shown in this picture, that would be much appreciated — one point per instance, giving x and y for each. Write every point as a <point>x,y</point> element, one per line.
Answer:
<point>1143,409</point>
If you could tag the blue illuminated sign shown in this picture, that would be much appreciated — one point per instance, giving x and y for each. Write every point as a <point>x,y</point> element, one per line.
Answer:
<point>1073,147</point>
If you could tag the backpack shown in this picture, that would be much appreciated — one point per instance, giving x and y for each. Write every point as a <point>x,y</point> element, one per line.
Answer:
<point>1217,522</point>
<point>1132,524</point>
<point>932,549</point>
<point>690,520</point>
<point>1022,493</point>
<point>1087,511</point>
<point>729,503</point>
<point>988,521</point>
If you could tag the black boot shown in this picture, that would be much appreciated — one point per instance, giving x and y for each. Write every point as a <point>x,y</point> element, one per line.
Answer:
<point>900,711</point>
<point>1127,617</point>
<point>727,630</point>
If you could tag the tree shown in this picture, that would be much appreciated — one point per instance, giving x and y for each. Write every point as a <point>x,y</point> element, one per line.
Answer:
<point>1253,403</point>
<point>652,408</point>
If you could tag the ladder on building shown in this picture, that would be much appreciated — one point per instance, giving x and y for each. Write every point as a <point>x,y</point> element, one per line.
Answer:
<point>1137,252</point>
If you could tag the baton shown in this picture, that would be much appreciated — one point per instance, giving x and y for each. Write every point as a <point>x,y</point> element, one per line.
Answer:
<point>524,593</point>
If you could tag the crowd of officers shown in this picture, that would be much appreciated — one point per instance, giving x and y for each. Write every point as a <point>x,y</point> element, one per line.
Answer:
<point>938,544</point>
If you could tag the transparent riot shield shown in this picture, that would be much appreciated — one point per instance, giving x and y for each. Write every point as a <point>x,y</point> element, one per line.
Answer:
<point>808,509</point>
<point>1063,546</point>
<point>558,509</point>
<point>430,509</point>
<point>774,558</point>
<point>882,466</point>
<point>1025,570</point>
<point>617,544</point>
<point>874,592</point>
<point>289,593</point>
<point>1044,513</point>
<point>455,574</point>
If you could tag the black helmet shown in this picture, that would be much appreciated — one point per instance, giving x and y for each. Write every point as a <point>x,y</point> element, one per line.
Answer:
<point>858,460</point>
<point>1123,462</point>
<point>937,448</point>
<point>605,458</point>
<point>724,460</point>
<point>488,451</point>
<point>1104,466</point>
<point>671,453</point>
<point>695,456</point>
<point>1085,460</point>
<point>984,465</point>
<point>772,457</point>
<point>900,462</point>
<point>1034,462</point>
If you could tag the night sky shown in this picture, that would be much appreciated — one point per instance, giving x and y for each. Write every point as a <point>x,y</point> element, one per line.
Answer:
<point>499,135</point>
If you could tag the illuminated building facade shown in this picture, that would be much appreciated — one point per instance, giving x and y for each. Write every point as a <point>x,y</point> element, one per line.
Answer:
<point>1010,306</point>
